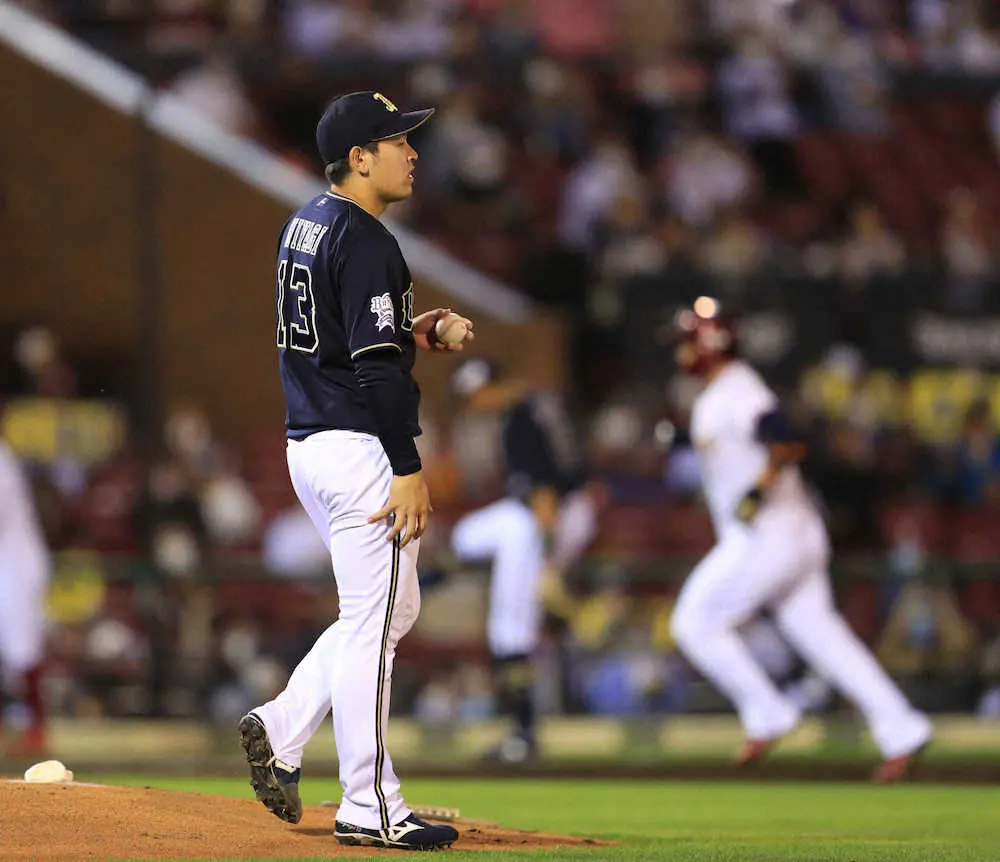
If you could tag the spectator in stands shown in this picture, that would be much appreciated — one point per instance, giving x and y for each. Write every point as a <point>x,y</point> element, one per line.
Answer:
<point>189,440</point>
<point>969,249</point>
<point>113,670</point>
<point>42,370</point>
<point>414,30</point>
<point>848,69</point>
<point>629,243</point>
<point>464,157</point>
<point>608,173</point>
<point>665,86</point>
<point>970,470</point>
<point>926,632</point>
<point>732,18</point>
<point>438,701</point>
<point>705,175</point>
<point>291,547</point>
<point>246,671</point>
<point>904,462</point>
<point>475,688</point>
<point>755,90</point>
<point>957,36</point>
<point>869,248</point>
<point>603,651</point>
<point>232,516</point>
<point>977,40</point>
<point>228,511</point>
<point>509,39</point>
<point>215,91</point>
<point>556,111</point>
<point>623,456</point>
<point>733,252</point>
<point>316,28</point>
<point>844,472</point>
<point>934,25</point>
<point>169,521</point>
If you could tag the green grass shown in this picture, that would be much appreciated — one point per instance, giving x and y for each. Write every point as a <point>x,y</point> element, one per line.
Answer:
<point>702,820</point>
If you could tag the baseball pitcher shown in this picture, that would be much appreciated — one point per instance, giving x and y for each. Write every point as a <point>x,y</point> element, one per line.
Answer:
<point>347,340</point>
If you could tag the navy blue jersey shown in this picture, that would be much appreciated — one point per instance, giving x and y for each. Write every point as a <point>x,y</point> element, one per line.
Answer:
<point>344,290</point>
<point>540,447</point>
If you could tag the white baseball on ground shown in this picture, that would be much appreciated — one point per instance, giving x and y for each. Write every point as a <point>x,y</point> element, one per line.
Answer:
<point>451,329</point>
<point>48,772</point>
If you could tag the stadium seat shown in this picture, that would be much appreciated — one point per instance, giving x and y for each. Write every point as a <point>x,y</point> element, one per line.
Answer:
<point>823,168</point>
<point>928,524</point>
<point>975,536</point>
<point>633,532</point>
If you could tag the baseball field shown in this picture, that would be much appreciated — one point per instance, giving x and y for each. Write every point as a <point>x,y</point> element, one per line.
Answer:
<point>139,817</point>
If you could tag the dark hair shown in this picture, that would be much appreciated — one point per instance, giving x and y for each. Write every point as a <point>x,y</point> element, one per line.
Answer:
<point>336,172</point>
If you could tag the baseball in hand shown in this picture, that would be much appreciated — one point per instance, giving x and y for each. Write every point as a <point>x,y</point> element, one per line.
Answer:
<point>451,329</point>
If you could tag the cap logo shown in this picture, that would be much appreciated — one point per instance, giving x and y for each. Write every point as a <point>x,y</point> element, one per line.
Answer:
<point>389,106</point>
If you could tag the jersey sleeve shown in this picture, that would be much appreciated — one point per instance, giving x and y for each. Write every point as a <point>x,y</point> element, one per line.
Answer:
<point>759,399</point>
<point>370,299</point>
<point>705,424</point>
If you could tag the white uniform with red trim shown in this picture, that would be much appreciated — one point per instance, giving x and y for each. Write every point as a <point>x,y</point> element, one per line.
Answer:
<point>779,562</point>
<point>24,572</point>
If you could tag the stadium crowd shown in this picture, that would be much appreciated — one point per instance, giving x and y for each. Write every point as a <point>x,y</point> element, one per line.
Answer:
<point>585,146</point>
<point>605,158</point>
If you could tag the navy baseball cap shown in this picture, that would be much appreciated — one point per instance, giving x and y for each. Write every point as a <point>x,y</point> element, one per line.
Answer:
<point>356,119</point>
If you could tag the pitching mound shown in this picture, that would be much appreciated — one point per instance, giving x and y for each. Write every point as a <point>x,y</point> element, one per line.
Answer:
<point>84,821</point>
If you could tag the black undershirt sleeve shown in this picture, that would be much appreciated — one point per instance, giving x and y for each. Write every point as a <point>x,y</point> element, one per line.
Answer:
<point>384,383</point>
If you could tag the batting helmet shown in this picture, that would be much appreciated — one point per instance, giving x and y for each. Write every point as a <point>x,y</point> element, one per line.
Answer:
<point>706,337</point>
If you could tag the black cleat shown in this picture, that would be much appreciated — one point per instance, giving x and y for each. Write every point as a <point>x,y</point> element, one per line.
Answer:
<point>275,784</point>
<point>411,833</point>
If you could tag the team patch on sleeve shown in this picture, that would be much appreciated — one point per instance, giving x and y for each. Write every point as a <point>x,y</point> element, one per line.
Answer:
<point>384,312</point>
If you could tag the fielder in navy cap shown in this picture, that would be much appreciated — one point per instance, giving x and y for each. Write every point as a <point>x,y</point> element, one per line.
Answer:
<point>360,119</point>
<point>347,340</point>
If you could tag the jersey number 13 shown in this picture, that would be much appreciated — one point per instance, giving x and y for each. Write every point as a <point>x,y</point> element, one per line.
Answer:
<point>296,308</point>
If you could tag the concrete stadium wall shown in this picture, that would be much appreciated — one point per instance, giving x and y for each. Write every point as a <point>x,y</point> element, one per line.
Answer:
<point>69,257</point>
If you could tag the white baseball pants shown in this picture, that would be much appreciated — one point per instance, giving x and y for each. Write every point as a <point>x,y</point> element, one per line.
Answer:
<point>342,477</point>
<point>508,533</point>
<point>24,575</point>
<point>781,563</point>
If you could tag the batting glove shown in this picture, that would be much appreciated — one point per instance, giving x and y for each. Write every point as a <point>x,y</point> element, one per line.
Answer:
<point>748,507</point>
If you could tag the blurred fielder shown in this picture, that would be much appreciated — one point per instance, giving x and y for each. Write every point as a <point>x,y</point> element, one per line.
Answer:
<point>771,552</point>
<point>347,340</point>
<point>24,577</point>
<point>545,522</point>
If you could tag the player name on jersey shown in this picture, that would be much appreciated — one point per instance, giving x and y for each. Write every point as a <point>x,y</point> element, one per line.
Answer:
<point>304,235</point>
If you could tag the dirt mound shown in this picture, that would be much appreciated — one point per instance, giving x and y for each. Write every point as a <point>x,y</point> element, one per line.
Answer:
<point>85,821</point>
